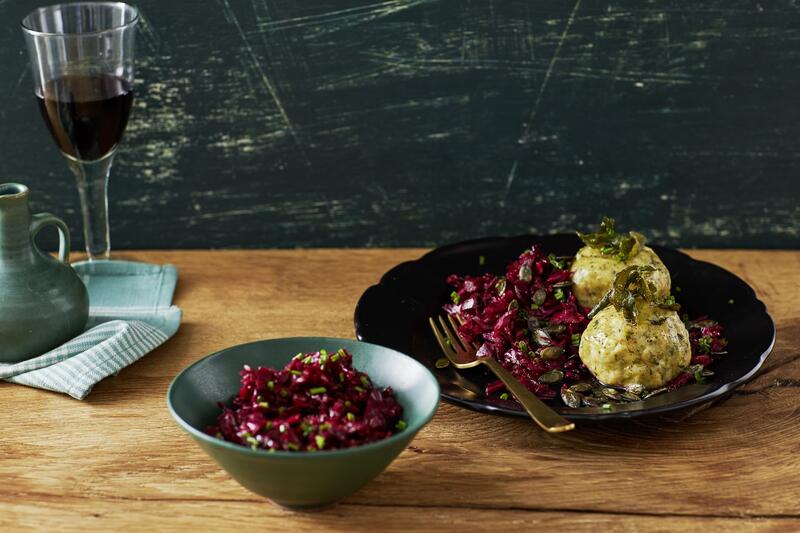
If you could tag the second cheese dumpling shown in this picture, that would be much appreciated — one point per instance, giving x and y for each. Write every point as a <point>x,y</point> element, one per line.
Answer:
<point>606,254</point>
<point>593,273</point>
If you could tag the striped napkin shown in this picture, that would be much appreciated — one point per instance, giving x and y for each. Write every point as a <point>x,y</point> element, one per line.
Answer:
<point>130,314</point>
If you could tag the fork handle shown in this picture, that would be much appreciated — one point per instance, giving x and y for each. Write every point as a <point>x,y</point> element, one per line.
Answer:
<point>541,413</point>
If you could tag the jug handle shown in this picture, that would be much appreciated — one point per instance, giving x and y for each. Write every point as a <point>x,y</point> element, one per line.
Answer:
<point>40,220</point>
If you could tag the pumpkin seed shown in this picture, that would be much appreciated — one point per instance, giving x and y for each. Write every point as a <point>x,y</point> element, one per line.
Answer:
<point>612,394</point>
<point>635,389</point>
<point>629,396</point>
<point>512,305</point>
<point>525,273</point>
<point>566,283</point>
<point>554,376</point>
<point>591,401</point>
<point>581,387</point>
<point>500,286</point>
<point>542,338</point>
<point>552,352</point>
<point>442,363</point>
<point>572,398</point>
<point>539,296</point>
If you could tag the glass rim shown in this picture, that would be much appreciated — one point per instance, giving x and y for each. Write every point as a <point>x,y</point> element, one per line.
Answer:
<point>118,27</point>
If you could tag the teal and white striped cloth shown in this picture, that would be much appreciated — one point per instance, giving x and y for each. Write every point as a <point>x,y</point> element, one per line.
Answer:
<point>130,314</point>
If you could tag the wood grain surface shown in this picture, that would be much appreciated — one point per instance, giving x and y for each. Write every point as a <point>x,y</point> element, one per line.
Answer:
<point>284,123</point>
<point>118,461</point>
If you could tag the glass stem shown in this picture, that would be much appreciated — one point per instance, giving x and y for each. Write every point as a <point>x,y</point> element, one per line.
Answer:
<point>92,177</point>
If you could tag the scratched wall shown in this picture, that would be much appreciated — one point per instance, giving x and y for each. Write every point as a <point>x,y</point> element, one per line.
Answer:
<point>418,122</point>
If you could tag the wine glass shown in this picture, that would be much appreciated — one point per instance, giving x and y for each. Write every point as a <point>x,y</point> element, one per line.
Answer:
<point>82,57</point>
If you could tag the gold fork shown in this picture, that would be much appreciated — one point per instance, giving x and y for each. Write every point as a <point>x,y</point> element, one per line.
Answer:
<point>464,355</point>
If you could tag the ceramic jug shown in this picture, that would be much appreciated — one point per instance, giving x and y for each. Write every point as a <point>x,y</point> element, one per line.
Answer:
<point>43,302</point>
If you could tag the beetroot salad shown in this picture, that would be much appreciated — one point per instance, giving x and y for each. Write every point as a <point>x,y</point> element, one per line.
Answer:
<point>316,402</point>
<point>530,322</point>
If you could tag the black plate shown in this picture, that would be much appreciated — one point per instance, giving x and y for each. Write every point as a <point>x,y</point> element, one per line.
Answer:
<point>394,313</point>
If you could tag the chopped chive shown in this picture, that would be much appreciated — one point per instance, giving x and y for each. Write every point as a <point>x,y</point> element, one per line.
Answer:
<point>576,339</point>
<point>558,294</point>
<point>307,360</point>
<point>318,390</point>
<point>365,382</point>
<point>481,260</point>
<point>730,302</point>
<point>341,376</point>
<point>325,426</point>
<point>351,417</point>
<point>523,346</point>
<point>504,396</point>
<point>270,385</point>
<point>335,357</point>
<point>320,440</point>
<point>359,389</point>
<point>677,289</point>
<point>323,352</point>
<point>284,393</point>
<point>296,372</point>
<point>263,405</point>
<point>704,344</point>
<point>401,425</point>
<point>292,446</point>
<point>455,297</point>
<point>606,406</point>
<point>556,262</point>
<point>299,355</point>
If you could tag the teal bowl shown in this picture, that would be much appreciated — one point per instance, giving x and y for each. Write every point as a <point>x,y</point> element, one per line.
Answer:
<point>300,479</point>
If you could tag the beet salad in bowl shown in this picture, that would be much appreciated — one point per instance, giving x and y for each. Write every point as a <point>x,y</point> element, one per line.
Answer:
<point>304,421</point>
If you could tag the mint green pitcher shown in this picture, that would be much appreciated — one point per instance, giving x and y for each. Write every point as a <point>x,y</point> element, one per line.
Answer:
<point>43,302</point>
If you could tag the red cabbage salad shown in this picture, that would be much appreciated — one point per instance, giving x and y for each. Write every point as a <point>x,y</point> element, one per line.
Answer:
<point>529,320</point>
<point>318,401</point>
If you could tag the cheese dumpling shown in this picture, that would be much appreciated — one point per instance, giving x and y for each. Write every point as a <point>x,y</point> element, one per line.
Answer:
<point>593,273</point>
<point>605,255</point>
<point>649,353</point>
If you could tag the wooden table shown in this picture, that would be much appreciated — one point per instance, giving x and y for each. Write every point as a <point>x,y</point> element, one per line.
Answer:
<point>117,460</point>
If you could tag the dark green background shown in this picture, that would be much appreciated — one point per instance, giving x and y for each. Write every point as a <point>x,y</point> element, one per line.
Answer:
<point>418,122</point>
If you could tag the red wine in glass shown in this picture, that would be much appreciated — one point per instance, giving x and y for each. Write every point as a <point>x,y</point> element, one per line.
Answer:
<point>82,56</point>
<point>86,113</point>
